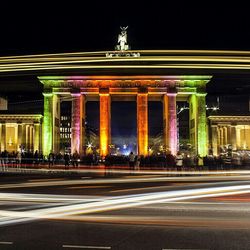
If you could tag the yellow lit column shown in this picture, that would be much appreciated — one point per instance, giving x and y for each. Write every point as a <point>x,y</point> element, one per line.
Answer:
<point>24,137</point>
<point>77,122</point>
<point>214,140</point>
<point>105,117</point>
<point>233,137</point>
<point>3,137</point>
<point>225,135</point>
<point>28,137</point>
<point>142,123</point>
<point>31,138</point>
<point>19,136</point>
<point>37,137</point>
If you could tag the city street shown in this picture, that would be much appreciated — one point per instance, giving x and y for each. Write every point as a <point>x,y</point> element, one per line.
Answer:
<point>122,209</point>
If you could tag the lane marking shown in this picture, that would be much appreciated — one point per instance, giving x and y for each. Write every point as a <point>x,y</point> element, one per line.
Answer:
<point>6,242</point>
<point>185,249</point>
<point>81,187</point>
<point>86,247</point>
<point>47,179</point>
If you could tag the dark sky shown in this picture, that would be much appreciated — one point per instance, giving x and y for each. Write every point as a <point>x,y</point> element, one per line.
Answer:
<point>38,27</point>
<point>74,26</point>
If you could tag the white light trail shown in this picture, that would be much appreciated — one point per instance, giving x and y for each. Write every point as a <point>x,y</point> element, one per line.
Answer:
<point>118,202</point>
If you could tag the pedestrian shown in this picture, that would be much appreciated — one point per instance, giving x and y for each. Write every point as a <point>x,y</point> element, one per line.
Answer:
<point>66,160</point>
<point>131,160</point>
<point>51,159</point>
<point>179,161</point>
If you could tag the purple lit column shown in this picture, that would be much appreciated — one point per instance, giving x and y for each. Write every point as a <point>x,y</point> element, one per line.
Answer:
<point>76,122</point>
<point>172,123</point>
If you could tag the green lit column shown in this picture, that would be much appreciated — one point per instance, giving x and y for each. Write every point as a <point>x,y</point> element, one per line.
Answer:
<point>198,123</point>
<point>47,123</point>
<point>201,124</point>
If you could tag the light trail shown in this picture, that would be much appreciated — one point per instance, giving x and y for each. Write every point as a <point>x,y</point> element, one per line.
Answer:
<point>150,178</point>
<point>119,202</point>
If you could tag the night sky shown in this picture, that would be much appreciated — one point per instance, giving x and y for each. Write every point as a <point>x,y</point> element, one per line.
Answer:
<point>38,27</point>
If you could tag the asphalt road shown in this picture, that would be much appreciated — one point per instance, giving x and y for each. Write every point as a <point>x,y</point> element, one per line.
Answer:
<point>124,210</point>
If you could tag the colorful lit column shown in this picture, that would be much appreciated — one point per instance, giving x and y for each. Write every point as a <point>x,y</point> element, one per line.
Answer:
<point>77,126</point>
<point>214,140</point>
<point>105,115</point>
<point>48,123</point>
<point>172,123</point>
<point>142,122</point>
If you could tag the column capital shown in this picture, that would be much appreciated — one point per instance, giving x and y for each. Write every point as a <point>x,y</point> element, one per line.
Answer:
<point>103,91</point>
<point>75,92</point>
<point>171,94</point>
<point>142,90</point>
<point>201,94</point>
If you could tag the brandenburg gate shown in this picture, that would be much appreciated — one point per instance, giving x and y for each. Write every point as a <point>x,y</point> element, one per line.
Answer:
<point>140,88</point>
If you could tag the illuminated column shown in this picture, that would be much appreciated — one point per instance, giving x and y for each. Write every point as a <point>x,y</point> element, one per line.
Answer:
<point>24,136</point>
<point>238,137</point>
<point>171,127</point>
<point>105,117</point>
<point>28,137</point>
<point>19,136</point>
<point>56,124</point>
<point>165,121</point>
<point>142,122</point>
<point>233,137</point>
<point>201,124</point>
<point>198,123</point>
<point>214,140</point>
<point>225,135</point>
<point>221,136</point>
<point>3,137</point>
<point>37,137</point>
<point>77,122</point>
<point>51,123</point>
<point>31,138</point>
<point>47,123</point>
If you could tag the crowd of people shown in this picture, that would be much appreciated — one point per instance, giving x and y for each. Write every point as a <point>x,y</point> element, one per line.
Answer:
<point>181,161</point>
